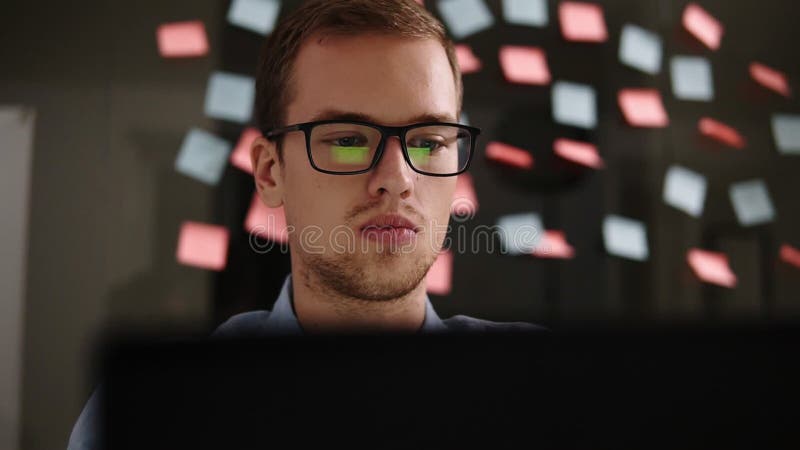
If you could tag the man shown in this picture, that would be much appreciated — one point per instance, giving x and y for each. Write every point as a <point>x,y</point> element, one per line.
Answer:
<point>359,102</point>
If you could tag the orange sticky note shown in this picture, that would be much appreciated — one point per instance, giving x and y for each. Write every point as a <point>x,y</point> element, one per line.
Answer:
<point>711,267</point>
<point>439,279</point>
<point>554,245</point>
<point>721,132</point>
<point>582,22</point>
<point>240,157</point>
<point>770,78</point>
<point>265,222</point>
<point>524,65</point>
<point>182,39</point>
<point>582,153</point>
<point>643,108</point>
<point>467,61</point>
<point>703,26</point>
<point>465,202</point>
<point>202,245</point>
<point>790,255</point>
<point>509,155</point>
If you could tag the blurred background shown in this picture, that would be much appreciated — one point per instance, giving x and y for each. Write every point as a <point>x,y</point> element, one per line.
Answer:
<point>105,201</point>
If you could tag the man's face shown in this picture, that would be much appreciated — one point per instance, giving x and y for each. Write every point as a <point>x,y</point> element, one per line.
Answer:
<point>389,81</point>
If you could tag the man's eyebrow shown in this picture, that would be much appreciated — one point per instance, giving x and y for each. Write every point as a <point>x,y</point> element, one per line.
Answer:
<point>333,114</point>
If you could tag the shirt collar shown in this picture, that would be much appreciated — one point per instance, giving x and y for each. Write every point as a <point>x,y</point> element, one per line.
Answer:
<point>283,320</point>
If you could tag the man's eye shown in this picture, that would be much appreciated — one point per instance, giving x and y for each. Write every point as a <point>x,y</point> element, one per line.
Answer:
<point>426,143</point>
<point>349,141</point>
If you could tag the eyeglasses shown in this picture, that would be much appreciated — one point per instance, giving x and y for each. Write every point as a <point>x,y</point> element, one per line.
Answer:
<point>349,147</point>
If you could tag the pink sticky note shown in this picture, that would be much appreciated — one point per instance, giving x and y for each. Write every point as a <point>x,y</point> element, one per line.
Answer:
<point>770,78</point>
<point>509,155</point>
<point>465,202</point>
<point>703,26</point>
<point>721,132</point>
<point>467,61</point>
<point>553,244</point>
<point>525,65</point>
<point>240,157</point>
<point>711,267</point>
<point>582,153</point>
<point>643,108</point>
<point>790,255</point>
<point>265,222</point>
<point>582,22</point>
<point>439,279</point>
<point>182,39</point>
<point>202,245</point>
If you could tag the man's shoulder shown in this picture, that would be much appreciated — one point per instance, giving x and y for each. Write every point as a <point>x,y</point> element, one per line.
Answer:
<point>246,324</point>
<point>462,323</point>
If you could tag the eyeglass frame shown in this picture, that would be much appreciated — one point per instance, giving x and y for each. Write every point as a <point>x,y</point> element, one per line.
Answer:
<point>386,132</point>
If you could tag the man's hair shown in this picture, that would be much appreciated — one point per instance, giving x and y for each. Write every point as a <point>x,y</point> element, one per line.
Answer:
<point>403,18</point>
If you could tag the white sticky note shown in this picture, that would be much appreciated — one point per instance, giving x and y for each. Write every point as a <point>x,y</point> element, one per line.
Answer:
<point>685,189</point>
<point>465,17</point>
<point>229,96</point>
<point>751,202</point>
<point>526,12</point>
<point>786,130</point>
<point>203,156</point>
<point>626,238</point>
<point>258,16</point>
<point>574,104</point>
<point>691,78</point>
<point>640,49</point>
<point>520,233</point>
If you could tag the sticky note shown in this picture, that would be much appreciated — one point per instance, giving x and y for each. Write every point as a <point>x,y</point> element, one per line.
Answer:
<point>230,96</point>
<point>240,157</point>
<point>691,78</point>
<point>770,78</point>
<point>182,39</point>
<point>703,26</point>
<point>554,245</point>
<point>202,156</point>
<point>525,12</point>
<point>265,222</point>
<point>751,202</point>
<point>790,255</point>
<point>720,132</point>
<point>786,130</point>
<point>626,238</point>
<point>711,267</point>
<point>574,104</point>
<point>467,61</point>
<point>524,65</point>
<point>258,16</point>
<point>582,22</point>
<point>685,189</point>
<point>202,245</point>
<point>520,233</point>
<point>439,279</point>
<point>465,201</point>
<point>582,153</point>
<point>640,49</point>
<point>509,155</point>
<point>643,108</point>
<point>465,17</point>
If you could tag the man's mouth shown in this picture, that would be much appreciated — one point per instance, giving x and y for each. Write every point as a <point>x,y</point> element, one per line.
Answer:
<point>390,228</point>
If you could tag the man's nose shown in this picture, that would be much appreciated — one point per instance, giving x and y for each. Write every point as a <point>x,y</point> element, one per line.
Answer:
<point>392,174</point>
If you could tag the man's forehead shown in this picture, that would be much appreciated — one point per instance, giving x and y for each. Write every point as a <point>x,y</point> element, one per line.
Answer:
<point>388,80</point>
<point>339,114</point>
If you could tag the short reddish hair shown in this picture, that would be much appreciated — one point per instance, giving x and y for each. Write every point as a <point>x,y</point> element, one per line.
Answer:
<point>405,18</point>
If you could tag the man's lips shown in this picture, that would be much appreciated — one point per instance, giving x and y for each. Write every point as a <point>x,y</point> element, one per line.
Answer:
<point>389,221</point>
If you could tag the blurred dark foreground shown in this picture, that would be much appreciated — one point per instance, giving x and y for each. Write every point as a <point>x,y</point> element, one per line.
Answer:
<point>677,388</point>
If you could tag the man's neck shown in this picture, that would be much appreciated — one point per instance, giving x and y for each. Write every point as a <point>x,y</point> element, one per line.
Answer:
<point>320,310</point>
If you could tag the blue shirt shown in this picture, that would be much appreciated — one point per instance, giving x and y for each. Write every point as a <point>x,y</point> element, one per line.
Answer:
<point>282,321</point>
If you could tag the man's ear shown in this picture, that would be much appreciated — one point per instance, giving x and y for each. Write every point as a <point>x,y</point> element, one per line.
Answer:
<point>267,171</point>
